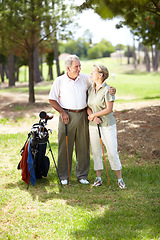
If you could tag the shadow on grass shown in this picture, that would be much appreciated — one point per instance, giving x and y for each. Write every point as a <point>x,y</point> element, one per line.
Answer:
<point>137,100</point>
<point>125,214</point>
<point>133,220</point>
<point>45,188</point>
<point>151,98</point>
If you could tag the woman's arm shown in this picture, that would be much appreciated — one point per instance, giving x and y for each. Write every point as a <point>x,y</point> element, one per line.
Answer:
<point>96,119</point>
<point>105,111</point>
<point>89,111</point>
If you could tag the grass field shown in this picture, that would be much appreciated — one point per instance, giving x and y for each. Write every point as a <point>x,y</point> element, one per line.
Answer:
<point>78,212</point>
<point>137,86</point>
<point>46,211</point>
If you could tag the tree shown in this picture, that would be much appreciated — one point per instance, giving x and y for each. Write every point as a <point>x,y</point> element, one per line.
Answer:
<point>49,61</point>
<point>96,51</point>
<point>3,61</point>
<point>26,23</point>
<point>108,48</point>
<point>11,70</point>
<point>120,47</point>
<point>143,17</point>
<point>129,53</point>
<point>37,73</point>
<point>88,36</point>
<point>101,49</point>
<point>78,47</point>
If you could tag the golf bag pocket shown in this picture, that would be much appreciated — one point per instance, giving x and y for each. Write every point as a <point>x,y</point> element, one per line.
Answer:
<point>23,165</point>
<point>42,161</point>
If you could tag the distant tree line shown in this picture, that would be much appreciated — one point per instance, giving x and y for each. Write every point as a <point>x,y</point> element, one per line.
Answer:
<point>142,17</point>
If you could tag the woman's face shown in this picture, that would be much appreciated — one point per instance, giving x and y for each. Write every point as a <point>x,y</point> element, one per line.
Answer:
<point>95,74</point>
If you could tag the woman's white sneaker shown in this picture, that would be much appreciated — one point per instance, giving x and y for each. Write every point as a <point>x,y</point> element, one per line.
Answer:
<point>97,182</point>
<point>121,184</point>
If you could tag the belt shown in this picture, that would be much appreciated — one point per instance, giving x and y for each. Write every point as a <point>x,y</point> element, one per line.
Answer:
<point>75,111</point>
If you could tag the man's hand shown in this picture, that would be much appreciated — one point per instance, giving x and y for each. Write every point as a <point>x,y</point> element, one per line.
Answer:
<point>57,107</point>
<point>65,117</point>
<point>112,91</point>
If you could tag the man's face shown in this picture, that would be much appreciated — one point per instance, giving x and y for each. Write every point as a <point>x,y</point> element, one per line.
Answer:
<point>74,70</point>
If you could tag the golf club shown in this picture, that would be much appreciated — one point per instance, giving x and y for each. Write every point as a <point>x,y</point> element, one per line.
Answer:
<point>104,157</point>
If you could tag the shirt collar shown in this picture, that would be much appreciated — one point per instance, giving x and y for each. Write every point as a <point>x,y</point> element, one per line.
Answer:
<point>69,79</point>
<point>102,85</point>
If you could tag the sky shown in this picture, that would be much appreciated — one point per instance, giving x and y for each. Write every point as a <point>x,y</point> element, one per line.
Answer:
<point>102,29</point>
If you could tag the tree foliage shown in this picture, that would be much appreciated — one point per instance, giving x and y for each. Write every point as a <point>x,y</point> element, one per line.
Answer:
<point>142,16</point>
<point>78,47</point>
<point>24,24</point>
<point>101,49</point>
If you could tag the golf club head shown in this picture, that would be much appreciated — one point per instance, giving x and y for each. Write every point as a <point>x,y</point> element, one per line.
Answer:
<point>111,188</point>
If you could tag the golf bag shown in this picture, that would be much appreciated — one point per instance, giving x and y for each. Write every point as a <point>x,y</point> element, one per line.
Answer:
<point>34,163</point>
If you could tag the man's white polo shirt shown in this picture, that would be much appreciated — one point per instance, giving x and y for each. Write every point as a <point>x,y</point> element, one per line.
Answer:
<point>71,94</point>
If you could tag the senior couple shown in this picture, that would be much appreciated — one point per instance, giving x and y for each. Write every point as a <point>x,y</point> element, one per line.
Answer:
<point>78,98</point>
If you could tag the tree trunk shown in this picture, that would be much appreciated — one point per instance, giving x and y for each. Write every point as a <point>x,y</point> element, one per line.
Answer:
<point>31,77</point>
<point>153,58</point>
<point>41,66</point>
<point>155,66</point>
<point>56,57</point>
<point>134,54</point>
<point>147,60</point>
<point>17,75</point>
<point>37,75</point>
<point>50,73</point>
<point>11,70</point>
<point>6,71</point>
<point>2,72</point>
<point>128,54</point>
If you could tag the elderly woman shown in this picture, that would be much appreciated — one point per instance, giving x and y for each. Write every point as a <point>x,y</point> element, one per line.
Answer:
<point>100,111</point>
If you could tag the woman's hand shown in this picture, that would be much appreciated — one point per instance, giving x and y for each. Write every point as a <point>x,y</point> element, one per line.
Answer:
<point>91,117</point>
<point>97,120</point>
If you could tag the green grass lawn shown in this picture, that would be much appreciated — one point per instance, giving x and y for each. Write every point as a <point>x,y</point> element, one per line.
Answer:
<point>46,211</point>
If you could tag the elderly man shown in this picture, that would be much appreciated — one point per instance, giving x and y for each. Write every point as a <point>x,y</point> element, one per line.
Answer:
<point>68,96</point>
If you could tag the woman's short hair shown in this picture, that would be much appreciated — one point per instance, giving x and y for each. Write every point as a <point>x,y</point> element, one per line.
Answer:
<point>70,59</point>
<point>104,70</point>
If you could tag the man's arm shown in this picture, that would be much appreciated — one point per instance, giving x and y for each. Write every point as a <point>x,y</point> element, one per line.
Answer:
<point>112,91</point>
<point>57,107</point>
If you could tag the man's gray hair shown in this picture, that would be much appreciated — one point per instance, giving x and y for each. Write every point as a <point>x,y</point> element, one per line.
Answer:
<point>70,59</point>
